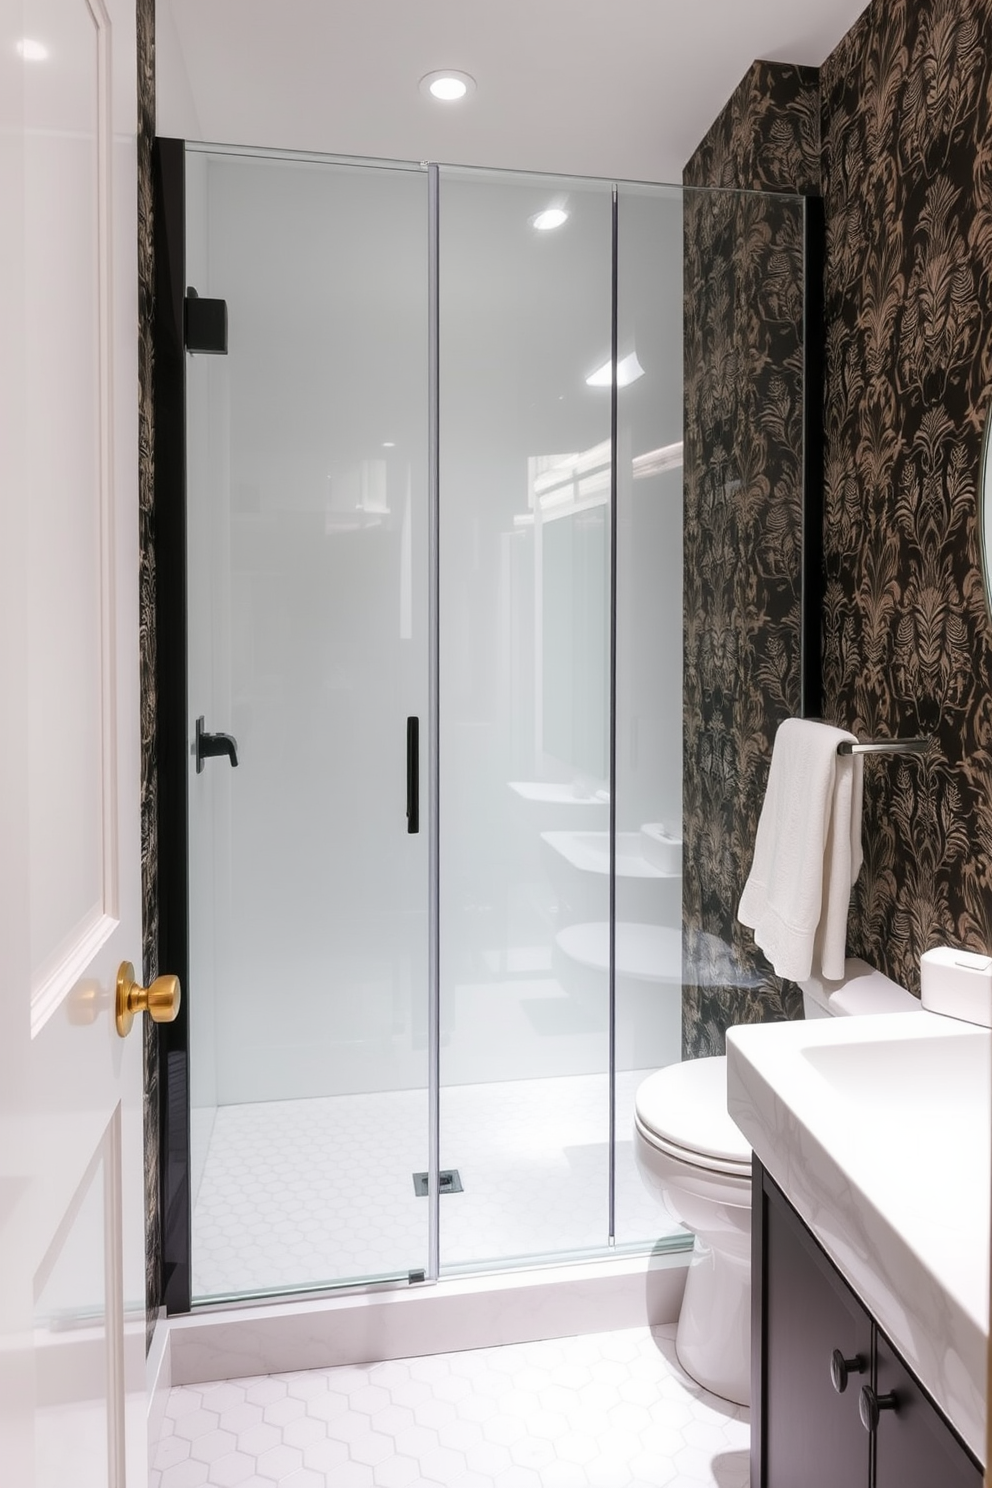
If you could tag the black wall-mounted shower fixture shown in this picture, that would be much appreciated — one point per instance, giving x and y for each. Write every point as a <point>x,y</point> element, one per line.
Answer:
<point>205,325</point>
<point>214,746</point>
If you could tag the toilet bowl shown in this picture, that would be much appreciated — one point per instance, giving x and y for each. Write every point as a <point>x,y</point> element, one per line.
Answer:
<point>696,1161</point>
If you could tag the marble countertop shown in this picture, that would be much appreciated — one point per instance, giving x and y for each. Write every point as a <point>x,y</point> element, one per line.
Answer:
<point>877,1129</point>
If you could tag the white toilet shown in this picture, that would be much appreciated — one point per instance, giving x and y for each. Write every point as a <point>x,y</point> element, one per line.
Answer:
<point>694,1158</point>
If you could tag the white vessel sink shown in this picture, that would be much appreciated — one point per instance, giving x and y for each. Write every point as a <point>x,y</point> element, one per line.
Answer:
<point>877,1129</point>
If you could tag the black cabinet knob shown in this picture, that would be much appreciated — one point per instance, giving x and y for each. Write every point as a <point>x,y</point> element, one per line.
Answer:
<point>871,1405</point>
<point>841,1368</point>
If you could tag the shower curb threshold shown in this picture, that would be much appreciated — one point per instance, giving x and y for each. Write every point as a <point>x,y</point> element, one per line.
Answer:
<point>467,1312</point>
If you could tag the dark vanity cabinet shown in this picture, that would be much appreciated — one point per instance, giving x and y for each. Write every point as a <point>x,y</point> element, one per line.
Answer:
<point>810,1433</point>
<point>920,1447</point>
<point>832,1402</point>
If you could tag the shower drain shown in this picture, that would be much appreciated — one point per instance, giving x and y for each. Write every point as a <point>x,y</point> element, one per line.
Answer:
<point>450,1182</point>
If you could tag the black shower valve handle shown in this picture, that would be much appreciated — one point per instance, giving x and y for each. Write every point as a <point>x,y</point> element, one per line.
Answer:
<point>210,746</point>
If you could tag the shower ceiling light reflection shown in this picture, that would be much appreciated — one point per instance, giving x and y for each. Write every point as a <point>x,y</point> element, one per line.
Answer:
<point>549,219</point>
<point>629,370</point>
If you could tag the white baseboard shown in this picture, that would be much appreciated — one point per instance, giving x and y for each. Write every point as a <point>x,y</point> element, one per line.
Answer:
<point>397,1323</point>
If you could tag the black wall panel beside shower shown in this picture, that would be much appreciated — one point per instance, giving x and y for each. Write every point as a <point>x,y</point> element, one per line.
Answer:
<point>170,619</point>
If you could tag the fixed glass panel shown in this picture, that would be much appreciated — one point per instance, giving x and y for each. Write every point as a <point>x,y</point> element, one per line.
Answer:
<point>648,766</point>
<point>308,605</point>
<point>524,517</point>
<point>750,403</point>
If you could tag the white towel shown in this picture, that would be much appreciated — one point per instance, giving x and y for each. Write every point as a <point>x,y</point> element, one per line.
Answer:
<point>807,851</point>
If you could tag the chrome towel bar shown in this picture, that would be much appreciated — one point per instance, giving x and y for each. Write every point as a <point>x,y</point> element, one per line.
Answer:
<point>886,746</point>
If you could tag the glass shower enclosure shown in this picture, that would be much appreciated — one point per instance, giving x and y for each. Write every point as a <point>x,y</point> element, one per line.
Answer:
<point>560,705</point>
<point>433,723</point>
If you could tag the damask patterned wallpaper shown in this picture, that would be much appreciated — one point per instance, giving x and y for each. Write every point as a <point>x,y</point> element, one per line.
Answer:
<point>907,183</point>
<point>743,380</point>
<point>904,162</point>
<point>767,137</point>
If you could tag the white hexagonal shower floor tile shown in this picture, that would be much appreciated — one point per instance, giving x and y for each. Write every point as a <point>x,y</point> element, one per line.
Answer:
<point>607,1410</point>
<point>302,1193</point>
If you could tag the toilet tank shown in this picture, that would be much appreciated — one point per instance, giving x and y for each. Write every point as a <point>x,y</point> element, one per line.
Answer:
<point>862,990</point>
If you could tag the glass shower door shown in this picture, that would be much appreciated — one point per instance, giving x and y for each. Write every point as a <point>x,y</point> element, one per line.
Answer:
<point>308,645</point>
<point>524,731</point>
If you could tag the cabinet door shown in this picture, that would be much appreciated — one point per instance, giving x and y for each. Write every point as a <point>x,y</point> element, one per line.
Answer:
<point>914,1445</point>
<point>811,1435</point>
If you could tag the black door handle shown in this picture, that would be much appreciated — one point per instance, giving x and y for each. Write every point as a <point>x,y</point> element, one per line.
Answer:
<point>210,745</point>
<point>413,774</point>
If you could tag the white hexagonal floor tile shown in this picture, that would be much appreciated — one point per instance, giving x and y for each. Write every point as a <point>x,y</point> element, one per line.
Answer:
<point>265,1213</point>
<point>610,1410</point>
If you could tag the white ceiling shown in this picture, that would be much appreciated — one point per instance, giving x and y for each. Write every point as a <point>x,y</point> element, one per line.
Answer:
<point>615,88</point>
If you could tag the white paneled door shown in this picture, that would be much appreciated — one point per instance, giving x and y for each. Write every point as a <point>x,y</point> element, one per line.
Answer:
<point>72,1410</point>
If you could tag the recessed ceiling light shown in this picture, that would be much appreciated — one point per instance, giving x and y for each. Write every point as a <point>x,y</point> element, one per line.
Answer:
<point>32,51</point>
<point>447,86</point>
<point>389,444</point>
<point>629,370</point>
<point>549,219</point>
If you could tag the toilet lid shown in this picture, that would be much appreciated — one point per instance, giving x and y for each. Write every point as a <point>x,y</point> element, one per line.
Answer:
<point>685,1105</point>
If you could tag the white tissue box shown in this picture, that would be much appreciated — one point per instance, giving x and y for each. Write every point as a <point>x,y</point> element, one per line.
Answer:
<point>957,984</point>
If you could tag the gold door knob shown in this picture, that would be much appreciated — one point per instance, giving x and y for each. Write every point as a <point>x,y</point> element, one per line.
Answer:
<point>160,1001</point>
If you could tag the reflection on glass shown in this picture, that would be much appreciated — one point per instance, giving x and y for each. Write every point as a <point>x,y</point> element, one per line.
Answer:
<point>648,675</point>
<point>524,689</point>
<point>574,547</point>
<point>308,564</point>
<point>308,642</point>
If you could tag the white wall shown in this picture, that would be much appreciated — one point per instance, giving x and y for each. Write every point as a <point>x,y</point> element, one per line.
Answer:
<point>572,86</point>
<point>308,896</point>
<point>177,116</point>
<point>308,608</point>
<point>649,559</point>
<point>525,318</point>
